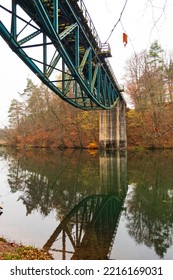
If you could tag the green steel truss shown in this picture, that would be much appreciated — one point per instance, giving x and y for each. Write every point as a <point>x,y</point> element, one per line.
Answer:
<point>57,40</point>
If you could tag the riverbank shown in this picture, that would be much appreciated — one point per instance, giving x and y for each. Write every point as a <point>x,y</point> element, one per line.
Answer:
<point>13,251</point>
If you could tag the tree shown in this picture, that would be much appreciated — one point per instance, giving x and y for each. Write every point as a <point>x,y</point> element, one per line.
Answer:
<point>145,78</point>
<point>135,68</point>
<point>168,76</point>
<point>155,58</point>
<point>153,76</point>
<point>147,84</point>
<point>15,113</point>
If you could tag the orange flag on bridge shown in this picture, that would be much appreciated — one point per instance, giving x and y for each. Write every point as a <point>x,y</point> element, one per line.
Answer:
<point>125,39</point>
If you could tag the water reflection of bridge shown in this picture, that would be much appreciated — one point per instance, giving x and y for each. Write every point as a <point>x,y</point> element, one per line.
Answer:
<point>90,227</point>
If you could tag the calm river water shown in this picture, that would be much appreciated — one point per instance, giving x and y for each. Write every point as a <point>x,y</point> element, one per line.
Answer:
<point>89,205</point>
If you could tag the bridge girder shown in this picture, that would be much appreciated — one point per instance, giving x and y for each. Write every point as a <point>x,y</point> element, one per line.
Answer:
<point>57,40</point>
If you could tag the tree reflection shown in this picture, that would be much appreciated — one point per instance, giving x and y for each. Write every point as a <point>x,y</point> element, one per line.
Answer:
<point>149,204</point>
<point>52,180</point>
<point>87,192</point>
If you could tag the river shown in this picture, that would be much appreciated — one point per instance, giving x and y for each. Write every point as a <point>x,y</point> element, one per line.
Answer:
<point>89,204</point>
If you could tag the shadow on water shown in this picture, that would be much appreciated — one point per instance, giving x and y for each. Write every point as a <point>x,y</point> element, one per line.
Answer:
<point>92,194</point>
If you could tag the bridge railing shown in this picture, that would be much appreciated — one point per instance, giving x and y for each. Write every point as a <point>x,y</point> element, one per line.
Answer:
<point>89,22</point>
<point>103,47</point>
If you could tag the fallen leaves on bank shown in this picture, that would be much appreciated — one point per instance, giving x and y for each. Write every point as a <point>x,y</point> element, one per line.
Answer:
<point>12,251</point>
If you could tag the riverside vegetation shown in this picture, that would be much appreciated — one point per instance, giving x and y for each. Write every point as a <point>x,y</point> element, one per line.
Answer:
<point>40,119</point>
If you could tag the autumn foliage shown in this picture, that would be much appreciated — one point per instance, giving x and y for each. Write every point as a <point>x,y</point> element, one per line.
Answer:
<point>42,119</point>
<point>149,83</point>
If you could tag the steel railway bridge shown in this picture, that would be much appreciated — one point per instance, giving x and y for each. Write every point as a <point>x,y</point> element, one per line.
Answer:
<point>69,46</point>
<point>57,40</point>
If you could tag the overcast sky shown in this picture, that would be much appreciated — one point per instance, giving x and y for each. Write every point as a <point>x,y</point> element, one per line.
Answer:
<point>143,20</point>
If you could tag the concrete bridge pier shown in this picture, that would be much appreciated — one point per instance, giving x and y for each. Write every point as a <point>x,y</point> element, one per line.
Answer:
<point>112,128</point>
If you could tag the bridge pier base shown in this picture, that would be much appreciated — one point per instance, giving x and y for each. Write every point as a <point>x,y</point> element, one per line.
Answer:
<point>112,128</point>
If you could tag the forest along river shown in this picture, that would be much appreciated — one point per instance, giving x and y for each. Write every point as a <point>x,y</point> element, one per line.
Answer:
<point>88,205</point>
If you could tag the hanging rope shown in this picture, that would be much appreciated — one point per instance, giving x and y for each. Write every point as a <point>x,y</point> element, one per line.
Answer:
<point>116,22</point>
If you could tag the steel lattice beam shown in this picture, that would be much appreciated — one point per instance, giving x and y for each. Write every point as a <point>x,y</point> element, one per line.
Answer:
<point>57,40</point>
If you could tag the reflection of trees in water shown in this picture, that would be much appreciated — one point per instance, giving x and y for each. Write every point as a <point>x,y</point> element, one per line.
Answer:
<point>150,200</point>
<point>50,180</point>
<point>89,211</point>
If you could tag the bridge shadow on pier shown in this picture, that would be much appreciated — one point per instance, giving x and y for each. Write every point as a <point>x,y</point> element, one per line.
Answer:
<point>90,227</point>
